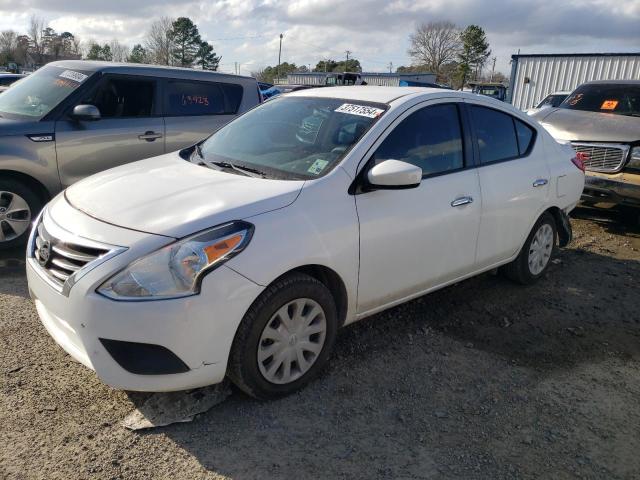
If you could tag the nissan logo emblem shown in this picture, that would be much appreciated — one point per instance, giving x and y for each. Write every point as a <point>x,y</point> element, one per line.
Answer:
<point>44,253</point>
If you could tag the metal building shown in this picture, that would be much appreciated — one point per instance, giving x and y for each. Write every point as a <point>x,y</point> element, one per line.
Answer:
<point>383,79</point>
<point>533,77</point>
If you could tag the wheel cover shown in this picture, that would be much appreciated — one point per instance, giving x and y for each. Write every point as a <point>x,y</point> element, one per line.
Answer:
<point>15,216</point>
<point>540,249</point>
<point>292,341</point>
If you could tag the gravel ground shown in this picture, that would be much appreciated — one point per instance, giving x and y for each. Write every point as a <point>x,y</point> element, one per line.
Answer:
<point>485,379</point>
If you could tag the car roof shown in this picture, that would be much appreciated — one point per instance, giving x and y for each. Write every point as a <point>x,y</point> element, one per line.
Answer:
<point>140,68</point>
<point>371,93</point>
<point>613,82</point>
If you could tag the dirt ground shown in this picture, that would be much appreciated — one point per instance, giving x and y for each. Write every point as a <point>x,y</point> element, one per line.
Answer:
<point>485,379</point>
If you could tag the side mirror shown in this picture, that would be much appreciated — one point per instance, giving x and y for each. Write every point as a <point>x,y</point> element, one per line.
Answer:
<point>86,113</point>
<point>393,175</point>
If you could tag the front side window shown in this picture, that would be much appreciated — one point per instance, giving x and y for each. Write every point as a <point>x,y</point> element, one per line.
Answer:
<point>293,137</point>
<point>39,93</point>
<point>187,98</point>
<point>118,97</point>
<point>430,138</point>
<point>619,99</point>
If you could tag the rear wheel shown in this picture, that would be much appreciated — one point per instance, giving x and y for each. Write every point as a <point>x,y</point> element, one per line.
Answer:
<point>535,256</point>
<point>285,338</point>
<point>18,206</point>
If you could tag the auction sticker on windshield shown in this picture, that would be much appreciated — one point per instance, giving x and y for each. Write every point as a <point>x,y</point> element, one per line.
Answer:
<point>360,110</point>
<point>75,76</point>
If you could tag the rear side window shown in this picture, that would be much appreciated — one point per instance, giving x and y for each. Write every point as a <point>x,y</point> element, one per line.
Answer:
<point>186,98</point>
<point>525,136</point>
<point>430,138</point>
<point>499,135</point>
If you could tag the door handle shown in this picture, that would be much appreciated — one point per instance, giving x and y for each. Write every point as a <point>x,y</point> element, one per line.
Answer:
<point>458,202</point>
<point>150,136</point>
<point>541,182</point>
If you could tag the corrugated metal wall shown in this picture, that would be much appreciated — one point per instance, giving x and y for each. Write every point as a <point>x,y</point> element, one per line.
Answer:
<point>554,73</point>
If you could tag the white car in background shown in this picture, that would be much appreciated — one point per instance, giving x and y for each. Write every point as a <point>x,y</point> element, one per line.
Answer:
<point>243,255</point>
<point>550,101</point>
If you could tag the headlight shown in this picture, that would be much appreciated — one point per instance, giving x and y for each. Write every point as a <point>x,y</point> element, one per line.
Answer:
<point>635,158</point>
<point>177,269</point>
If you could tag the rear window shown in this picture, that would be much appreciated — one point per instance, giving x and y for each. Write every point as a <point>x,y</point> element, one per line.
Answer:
<point>187,98</point>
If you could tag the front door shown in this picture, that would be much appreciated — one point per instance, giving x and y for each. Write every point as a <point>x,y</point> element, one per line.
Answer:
<point>130,128</point>
<point>412,240</point>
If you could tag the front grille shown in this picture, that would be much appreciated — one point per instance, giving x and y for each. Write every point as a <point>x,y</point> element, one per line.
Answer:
<point>64,259</point>
<point>602,157</point>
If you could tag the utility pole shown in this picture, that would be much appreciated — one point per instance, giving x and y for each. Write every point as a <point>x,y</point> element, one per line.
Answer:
<point>346,65</point>
<point>279,55</point>
<point>493,69</point>
<point>390,67</point>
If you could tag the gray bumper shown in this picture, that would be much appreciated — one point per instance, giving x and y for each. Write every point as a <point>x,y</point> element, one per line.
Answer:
<point>607,190</point>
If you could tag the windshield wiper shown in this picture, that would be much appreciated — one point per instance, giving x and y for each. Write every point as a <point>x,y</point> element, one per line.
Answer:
<point>248,171</point>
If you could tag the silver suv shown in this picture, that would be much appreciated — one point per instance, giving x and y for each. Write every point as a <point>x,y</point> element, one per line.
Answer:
<point>74,118</point>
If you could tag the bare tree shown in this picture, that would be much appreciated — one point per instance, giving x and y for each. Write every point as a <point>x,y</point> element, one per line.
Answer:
<point>158,41</point>
<point>435,44</point>
<point>8,44</point>
<point>119,52</point>
<point>36,26</point>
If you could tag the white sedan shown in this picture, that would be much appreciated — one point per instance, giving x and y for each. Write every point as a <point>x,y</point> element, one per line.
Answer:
<point>242,256</point>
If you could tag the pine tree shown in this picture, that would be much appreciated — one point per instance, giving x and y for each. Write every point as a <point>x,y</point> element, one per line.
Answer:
<point>207,58</point>
<point>186,40</point>
<point>474,53</point>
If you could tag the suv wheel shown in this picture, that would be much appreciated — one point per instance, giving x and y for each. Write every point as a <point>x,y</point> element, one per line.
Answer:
<point>285,338</point>
<point>535,256</point>
<point>18,206</point>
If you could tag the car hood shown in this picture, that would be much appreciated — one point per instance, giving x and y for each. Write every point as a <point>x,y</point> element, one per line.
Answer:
<point>169,196</point>
<point>576,125</point>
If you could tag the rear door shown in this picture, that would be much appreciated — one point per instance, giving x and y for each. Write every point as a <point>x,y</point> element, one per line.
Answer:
<point>514,178</point>
<point>193,110</point>
<point>131,128</point>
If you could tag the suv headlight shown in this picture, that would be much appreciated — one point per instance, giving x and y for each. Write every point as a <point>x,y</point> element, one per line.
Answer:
<point>177,269</point>
<point>634,161</point>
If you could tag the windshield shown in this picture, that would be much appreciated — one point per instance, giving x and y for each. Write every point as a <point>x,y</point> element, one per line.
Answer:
<point>293,137</point>
<point>552,100</point>
<point>621,99</point>
<point>36,95</point>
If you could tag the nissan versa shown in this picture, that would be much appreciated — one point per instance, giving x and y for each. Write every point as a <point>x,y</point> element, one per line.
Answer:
<point>243,255</point>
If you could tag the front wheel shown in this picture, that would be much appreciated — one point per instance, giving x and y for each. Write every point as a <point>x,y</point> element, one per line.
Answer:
<point>285,338</point>
<point>18,206</point>
<point>535,256</point>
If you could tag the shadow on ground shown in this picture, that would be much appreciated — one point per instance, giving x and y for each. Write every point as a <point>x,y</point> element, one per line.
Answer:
<point>442,385</point>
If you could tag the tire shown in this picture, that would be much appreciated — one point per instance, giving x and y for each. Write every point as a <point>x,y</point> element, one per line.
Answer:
<point>259,334</point>
<point>521,270</point>
<point>19,205</point>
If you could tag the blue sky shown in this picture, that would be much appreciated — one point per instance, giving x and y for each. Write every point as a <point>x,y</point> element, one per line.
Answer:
<point>376,31</point>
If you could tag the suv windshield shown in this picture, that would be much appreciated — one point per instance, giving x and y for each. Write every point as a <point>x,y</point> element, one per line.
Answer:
<point>621,99</point>
<point>36,95</point>
<point>293,137</point>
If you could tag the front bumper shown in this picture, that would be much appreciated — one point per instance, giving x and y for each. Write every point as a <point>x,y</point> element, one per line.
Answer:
<point>622,188</point>
<point>198,330</point>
